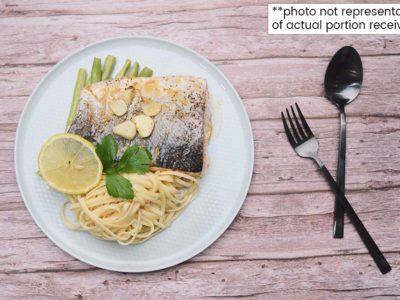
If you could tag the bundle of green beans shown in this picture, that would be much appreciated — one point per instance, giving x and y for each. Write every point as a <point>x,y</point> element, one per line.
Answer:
<point>98,74</point>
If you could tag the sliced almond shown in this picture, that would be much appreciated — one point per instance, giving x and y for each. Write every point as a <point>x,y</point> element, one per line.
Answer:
<point>119,107</point>
<point>151,108</point>
<point>126,130</point>
<point>151,88</point>
<point>144,125</point>
<point>113,90</point>
<point>126,95</point>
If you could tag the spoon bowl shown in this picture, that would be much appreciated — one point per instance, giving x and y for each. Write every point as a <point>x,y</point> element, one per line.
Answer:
<point>344,76</point>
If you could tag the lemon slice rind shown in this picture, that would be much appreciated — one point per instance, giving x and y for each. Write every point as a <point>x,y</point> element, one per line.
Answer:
<point>58,166</point>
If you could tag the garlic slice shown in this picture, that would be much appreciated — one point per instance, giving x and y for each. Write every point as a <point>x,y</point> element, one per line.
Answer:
<point>119,107</point>
<point>126,130</point>
<point>151,108</point>
<point>144,125</point>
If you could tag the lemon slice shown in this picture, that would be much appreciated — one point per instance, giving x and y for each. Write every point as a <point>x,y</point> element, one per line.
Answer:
<point>69,164</point>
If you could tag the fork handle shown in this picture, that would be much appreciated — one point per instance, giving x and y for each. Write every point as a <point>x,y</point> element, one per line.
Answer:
<point>373,249</point>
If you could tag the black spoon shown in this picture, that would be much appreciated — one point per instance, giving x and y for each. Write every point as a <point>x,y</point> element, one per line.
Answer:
<point>343,79</point>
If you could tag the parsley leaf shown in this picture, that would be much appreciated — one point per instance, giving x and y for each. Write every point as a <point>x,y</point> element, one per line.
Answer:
<point>107,150</point>
<point>118,186</point>
<point>135,160</point>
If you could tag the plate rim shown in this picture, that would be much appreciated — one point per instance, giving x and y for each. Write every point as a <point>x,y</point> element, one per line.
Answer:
<point>192,252</point>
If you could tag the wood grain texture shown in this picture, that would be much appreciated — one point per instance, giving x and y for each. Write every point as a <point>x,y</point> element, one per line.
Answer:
<point>260,279</point>
<point>280,244</point>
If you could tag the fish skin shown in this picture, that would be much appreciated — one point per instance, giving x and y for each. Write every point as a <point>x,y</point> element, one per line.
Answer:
<point>179,137</point>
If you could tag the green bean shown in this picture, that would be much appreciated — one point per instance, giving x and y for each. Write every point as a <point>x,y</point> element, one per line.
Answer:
<point>108,67</point>
<point>134,71</point>
<point>79,84</point>
<point>95,75</point>
<point>124,69</point>
<point>146,72</point>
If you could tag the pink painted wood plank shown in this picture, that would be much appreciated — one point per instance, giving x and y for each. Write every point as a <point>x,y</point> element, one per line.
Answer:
<point>277,168</point>
<point>320,278</point>
<point>268,227</point>
<point>266,80</point>
<point>258,108</point>
<point>239,23</point>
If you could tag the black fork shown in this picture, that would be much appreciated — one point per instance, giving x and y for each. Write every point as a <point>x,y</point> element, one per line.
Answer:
<point>305,145</point>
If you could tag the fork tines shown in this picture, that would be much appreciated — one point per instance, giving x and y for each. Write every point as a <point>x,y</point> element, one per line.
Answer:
<point>301,132</point>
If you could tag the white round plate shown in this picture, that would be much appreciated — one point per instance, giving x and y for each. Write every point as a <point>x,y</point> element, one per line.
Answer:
<point>222,189</point>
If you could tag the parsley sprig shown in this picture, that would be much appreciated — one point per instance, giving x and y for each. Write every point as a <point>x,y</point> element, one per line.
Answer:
<point>134,160</point>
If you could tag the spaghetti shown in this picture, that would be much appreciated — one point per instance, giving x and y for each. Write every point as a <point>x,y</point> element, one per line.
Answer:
<point>160,196</point>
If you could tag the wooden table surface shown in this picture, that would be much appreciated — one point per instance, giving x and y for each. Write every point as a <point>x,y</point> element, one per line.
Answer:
<point>280,244</point>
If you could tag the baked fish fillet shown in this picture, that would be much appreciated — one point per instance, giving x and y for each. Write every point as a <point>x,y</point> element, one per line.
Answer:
<point>179,137</point>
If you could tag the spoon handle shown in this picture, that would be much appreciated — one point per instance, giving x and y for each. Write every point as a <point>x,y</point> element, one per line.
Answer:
<point>338,214</point>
